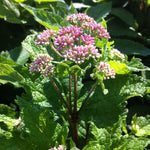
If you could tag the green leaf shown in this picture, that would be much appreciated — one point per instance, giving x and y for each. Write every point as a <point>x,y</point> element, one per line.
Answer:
<point>104,110</point>
<point>119,68</point>
<point>32,48</point>
<point>99,11</point>
<point>6,110</point>
<point>131,47</point>
<point>131,143</point>
<point>43,127</point>
<point>136,65</point>
<point>19,55</point>
<point>124,15</point>
<point>118,28</point>
<point>141,125</point>
<point>10,12</point>
<point>47,19</point>
<point>41,1</point>
<point>9,75</point>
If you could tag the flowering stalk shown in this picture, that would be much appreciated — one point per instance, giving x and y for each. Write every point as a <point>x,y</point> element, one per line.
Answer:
<point>58,91</point>
<point>85,100</point>
<point>70,103</point>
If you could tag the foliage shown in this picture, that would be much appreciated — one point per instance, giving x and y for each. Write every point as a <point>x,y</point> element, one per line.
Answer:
<point>82,103</point>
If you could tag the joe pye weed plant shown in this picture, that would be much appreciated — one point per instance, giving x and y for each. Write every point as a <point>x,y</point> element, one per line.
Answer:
<point>76,89</point>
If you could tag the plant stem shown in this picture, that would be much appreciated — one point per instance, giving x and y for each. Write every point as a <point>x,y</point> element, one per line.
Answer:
<point>85,100</point>
<point>70,104</point>
<point>75,93</point>
<point>55,50</point>
<point>58,91</point>
<point>87,134</point>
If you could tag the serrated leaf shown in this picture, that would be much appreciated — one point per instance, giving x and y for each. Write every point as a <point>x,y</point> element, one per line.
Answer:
<point>44,130</point>
<point>106,109</point>
<point>32,48</point>
<point>124,15</point>
<point>41,1</point>
<point>131,47</point>
<point>6,110</point>
<point>141,125</point>
<point>9,75</point>
<point>10,12</point>
<point>99,11</point>
<point>19,55</point>
<point>119,68</point>
<point>47,19</point>
<point>136,65</point>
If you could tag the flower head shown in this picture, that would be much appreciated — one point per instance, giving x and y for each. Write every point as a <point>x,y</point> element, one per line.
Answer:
<point>104,70</point>
<point>42,64</point>
<point>66,37</point>
<point>80,17</point>
<point>78,54</point>
<point>116,54</point>
<point>45,37</point>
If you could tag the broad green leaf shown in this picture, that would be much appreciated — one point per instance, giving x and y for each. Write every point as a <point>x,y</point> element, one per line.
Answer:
<point>131,143</point>
<point>8,121</point>
<point>141,125</point>
<point>9,75</point>
<point>44,130</point>
<point>136,65</point>
<point>131,47</point>
<point>99,11</point>
<point>10,12</point>
<point>47,19</point>
<point>124,15</point>
<point>19,55</point>
<point>6,110</point>
<point>19,1</point>
<point>41,1</point>
<point>118,28</point>
<point>119,68</point>
<point>104,110</point>
<point>32,48</point>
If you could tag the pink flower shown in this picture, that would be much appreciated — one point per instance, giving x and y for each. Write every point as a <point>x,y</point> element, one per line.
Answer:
<point>45,37</point>
<point>78,54</point>
<point>104,70</point>
<point>42,64</point>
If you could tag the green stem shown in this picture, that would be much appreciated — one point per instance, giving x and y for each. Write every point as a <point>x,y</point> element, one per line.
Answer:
<point>58,91</point>
<point>85,100</point>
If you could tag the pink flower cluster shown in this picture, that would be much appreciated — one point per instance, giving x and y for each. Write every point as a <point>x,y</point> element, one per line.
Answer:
<point>96,30</point>
<point>78,54</point>
<point>59,148</point>
<point>45,37</point>
<point>67,37</point>
<point>42,64</point>
<point>88,23</point>
<point>104,69</point>
<point>80,17</point>
<point>116,54</point>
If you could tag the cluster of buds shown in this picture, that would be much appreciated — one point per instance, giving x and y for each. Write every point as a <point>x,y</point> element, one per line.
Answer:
<point>78,54</point>
<point>80,17</point>
<point>104,70</point>
<point>116,54</point>
<point>61,147</point>
<point>96,30</point>
<point>66,37</point>
<point>42,64</point>
<point>45,37</point>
